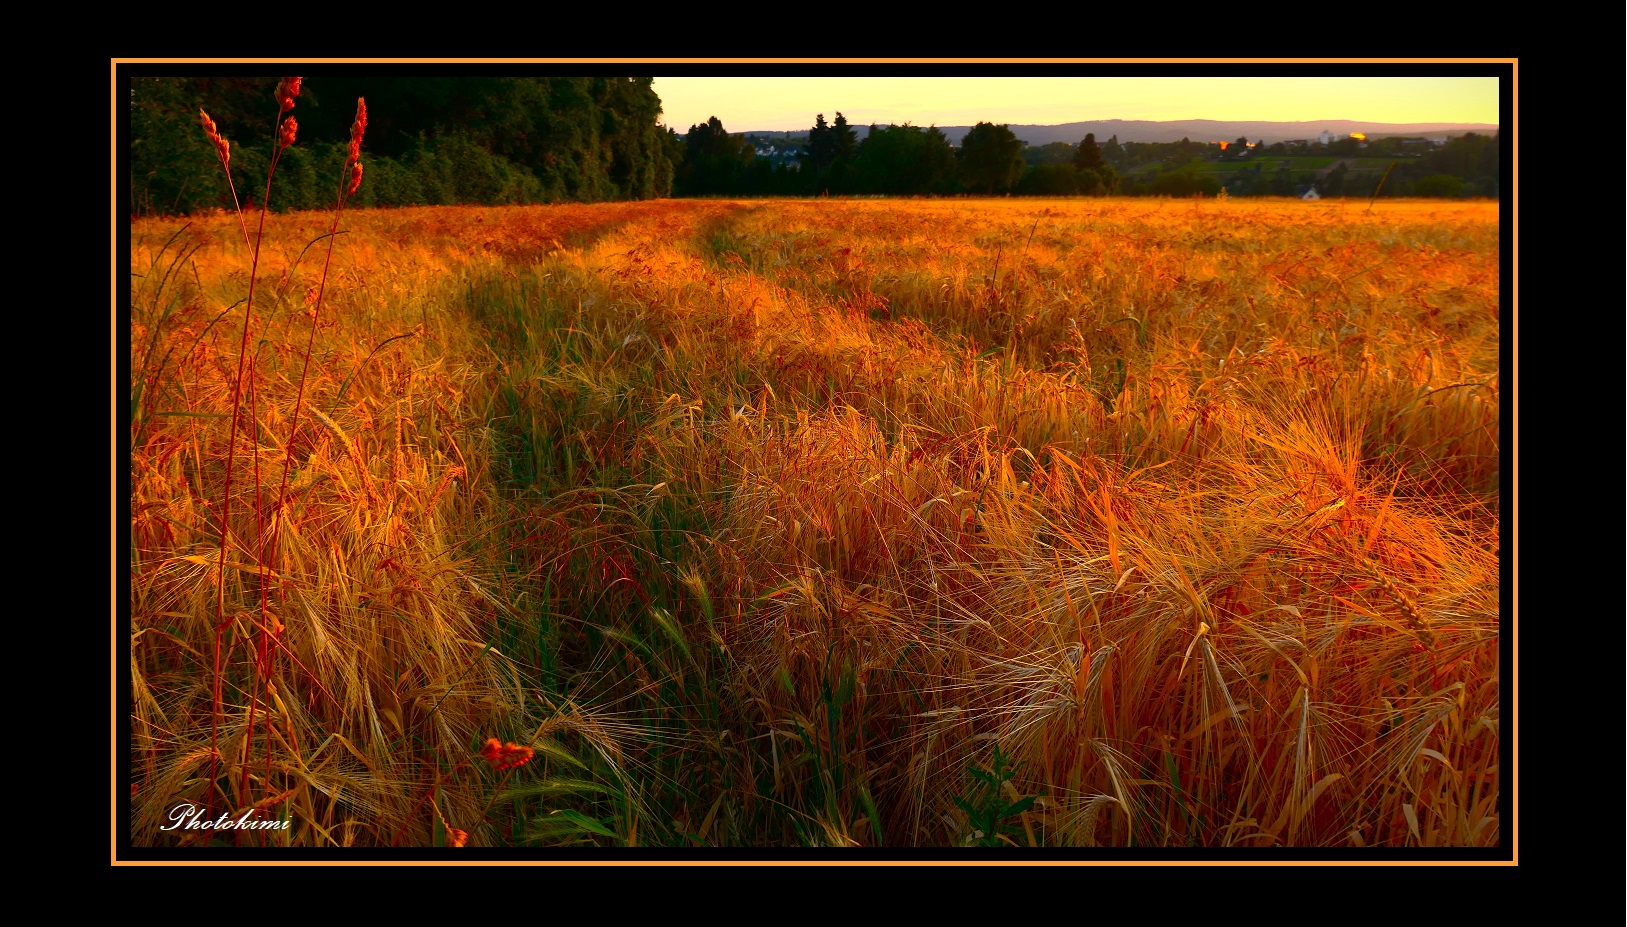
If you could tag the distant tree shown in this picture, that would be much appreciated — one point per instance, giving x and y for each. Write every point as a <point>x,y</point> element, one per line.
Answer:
<point>1050,180</point>
<point>759,178</point>
<point>1282,182</point>
<point>714,161</point>
<point>821,151</point>
<point>937,165</point>
<point>1185,182</point>
<point>672,155</point>
<point>905,160</point>
<point>1052,153</point>
<point>1441,185</point>
<point>1109,180</point>
<point>1093,183</point>
<point>990,158</point>
<point>1112,152</point>
<point>1334,183</point>
<point>839,177</point>
<point>1475,158</point>
<point>1089,156</point>
<point>847,140</point>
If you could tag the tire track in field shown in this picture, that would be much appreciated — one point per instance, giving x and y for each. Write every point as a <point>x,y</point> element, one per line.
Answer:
<point>679,281</point>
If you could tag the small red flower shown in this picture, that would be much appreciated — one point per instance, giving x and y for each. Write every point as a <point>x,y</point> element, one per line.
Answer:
<point>503,756</point>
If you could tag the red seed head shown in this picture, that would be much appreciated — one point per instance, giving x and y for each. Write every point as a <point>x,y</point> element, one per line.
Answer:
<point>222,147</point>
<point>357,129</point>
<point>289,127</point>
<point>287,90</point>
<point>355,178</point>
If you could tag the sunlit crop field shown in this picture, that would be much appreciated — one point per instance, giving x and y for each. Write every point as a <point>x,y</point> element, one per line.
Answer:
<point>879,523</point>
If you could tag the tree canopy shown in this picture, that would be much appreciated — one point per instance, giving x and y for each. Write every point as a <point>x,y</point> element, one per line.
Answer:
<point>1089,157</point>
<point>906,160</point>
<point>991,158</point>
<point>714,161</point>
<point>430,139</point>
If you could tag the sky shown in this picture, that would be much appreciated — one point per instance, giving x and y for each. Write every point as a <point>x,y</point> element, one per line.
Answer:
<point>753,103</point>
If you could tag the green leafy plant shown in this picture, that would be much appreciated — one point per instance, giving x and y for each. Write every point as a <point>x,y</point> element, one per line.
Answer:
<point>992,802</point>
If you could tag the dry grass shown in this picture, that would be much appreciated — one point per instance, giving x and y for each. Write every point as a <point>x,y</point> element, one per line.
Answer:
<point>764,523</point>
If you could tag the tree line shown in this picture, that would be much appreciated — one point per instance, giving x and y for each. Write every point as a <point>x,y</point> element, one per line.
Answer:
<point>1467,165</point>
<point>430,141</point>
<point>514,140</point>
<point>909,160</point>
<point>901,160</point>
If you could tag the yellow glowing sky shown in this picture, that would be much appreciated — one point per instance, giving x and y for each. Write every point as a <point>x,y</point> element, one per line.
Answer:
<point>745,103</point>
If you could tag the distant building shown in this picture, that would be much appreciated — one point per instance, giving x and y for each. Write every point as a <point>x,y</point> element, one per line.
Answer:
<point>1310,193</point>
<point>1326,138</point>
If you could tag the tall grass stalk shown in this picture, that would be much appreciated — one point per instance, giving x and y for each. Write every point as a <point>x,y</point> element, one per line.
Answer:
<point>287,90</point>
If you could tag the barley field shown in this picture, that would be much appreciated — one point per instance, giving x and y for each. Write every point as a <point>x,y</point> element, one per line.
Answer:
<point>818,523</point>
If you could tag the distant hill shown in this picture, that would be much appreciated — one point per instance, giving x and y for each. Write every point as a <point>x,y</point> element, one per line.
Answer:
<point>1209,130</point>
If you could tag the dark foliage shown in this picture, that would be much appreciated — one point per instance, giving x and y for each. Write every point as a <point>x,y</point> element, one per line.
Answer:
<point>430,140</point>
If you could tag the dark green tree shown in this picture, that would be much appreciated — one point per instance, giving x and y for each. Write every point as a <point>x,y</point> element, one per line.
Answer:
<point>990,158</point>
<point>847,140</point>
<point>839,177</point>
<point>714,161</point>
<point>1440,185</point>
<point>820,153</point>
<point>1184,182</point>
<point>1334,183</point>
<point>1091,183</point>
<point>1089,156</point>
<point>1051,180</point>
<point>1112,153</point>
<point>905,160</point>
<point>1052,153</point>
<point>1109,177</point>
<point>1282,182</point>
